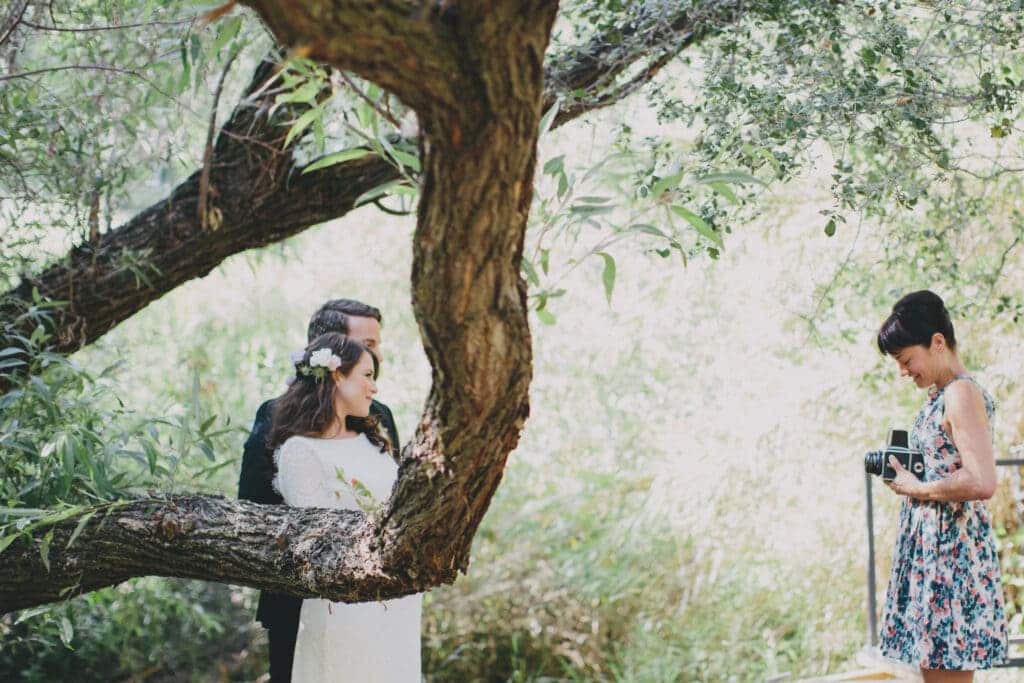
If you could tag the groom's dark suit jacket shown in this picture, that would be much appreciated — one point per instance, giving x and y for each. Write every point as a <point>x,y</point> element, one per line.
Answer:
<point>254,485</point>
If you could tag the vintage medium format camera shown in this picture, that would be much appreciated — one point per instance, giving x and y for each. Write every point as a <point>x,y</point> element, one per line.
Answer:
<point>877,462</point>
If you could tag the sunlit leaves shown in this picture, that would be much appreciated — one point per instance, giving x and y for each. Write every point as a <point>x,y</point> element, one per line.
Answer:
<point>111,117</point>
<point>699,224</point>
<point>639,199</point>
<point>335,158</point>
<point>608,275</point>
<point>67,443</point>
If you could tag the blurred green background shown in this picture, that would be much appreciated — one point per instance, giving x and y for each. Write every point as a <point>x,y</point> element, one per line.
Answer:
<point>686,502</point>
<point>687,499</point>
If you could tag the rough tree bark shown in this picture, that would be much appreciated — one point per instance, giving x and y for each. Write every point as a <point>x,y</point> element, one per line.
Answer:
<point>263,196</point>
<point>474,74</point>
<point>475,77</point>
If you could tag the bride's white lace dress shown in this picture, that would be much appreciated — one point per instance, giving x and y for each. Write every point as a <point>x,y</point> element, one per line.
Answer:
<point>371,642</point>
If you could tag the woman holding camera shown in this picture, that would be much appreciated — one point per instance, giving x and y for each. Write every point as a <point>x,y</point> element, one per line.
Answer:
<point>944,604</point>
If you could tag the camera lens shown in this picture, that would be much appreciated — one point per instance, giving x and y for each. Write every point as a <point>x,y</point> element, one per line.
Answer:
<point>874,463</point>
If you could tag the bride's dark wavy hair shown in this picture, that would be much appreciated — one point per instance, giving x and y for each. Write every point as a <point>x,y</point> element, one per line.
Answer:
<point>307,407</point>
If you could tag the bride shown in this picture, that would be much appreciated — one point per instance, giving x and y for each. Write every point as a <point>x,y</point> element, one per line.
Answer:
<point>329,452</point>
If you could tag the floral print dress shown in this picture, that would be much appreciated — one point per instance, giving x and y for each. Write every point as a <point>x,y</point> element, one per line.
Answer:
<point>944,604</point>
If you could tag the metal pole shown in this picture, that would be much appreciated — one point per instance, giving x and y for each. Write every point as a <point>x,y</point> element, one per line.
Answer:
<point>872,612</point>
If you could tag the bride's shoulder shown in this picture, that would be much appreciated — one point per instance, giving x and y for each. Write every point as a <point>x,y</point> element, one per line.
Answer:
<point>296,445</point>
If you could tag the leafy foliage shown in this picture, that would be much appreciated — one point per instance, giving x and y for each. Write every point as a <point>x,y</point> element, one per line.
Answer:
<point>914,108</point>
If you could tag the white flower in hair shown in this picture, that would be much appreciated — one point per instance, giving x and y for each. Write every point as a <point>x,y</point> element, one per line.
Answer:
<point>323,358</point>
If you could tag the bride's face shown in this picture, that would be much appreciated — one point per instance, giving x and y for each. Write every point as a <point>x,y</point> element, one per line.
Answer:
<point>354,392</point>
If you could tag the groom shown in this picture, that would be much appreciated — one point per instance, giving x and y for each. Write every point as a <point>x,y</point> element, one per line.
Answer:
<point>279,613</point>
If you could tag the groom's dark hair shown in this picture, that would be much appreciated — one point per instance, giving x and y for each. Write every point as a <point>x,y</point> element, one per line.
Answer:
<point>333,316</point>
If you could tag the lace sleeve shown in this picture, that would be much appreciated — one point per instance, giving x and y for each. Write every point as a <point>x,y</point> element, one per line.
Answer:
<point>300,476</point>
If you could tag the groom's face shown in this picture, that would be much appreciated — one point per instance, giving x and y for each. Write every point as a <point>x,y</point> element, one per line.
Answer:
<point>367,332</point>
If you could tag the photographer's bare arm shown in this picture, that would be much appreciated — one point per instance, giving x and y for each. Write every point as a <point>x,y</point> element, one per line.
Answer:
<point>967,425</point>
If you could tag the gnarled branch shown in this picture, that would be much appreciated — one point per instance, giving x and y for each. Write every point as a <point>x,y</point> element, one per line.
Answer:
<point>264,197</point>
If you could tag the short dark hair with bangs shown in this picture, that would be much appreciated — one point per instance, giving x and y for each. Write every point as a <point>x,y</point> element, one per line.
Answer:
<point>913,321</point>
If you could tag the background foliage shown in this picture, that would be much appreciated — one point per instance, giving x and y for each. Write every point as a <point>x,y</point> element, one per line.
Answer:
<point>707,262</point>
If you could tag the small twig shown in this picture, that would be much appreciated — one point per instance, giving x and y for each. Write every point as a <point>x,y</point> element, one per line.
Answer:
<point>94,215</point>
<point>67,67</point>
<point>115,27</point>
<point>204,178</point>
<point>367,99</point>
<point>15,20</point>
<point>839,271</point>
<point>88,67</point>
<point>251,140</point>
<point>377,202</point>
<point>620,92</point>
<point>1002,264</point>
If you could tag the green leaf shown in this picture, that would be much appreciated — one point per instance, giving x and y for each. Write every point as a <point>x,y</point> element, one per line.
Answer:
<point>305,93</point>
<point>226,32</point>
<point>769,156</point>
<point>725,191</point>
<point>548,118</point>
<point>665,183</point>
<point>406,159</point>
<point>301,124</point>
<point>44,549</point>
<point>379,191</point>
<point>38,335</point>
<point>66,631</point>
<point>403,190</point>
<point>335,158</point>
<point>699,223</point>
<point>590,209</point>
<point>6,541</point>
<point>554,165</point>
<point>608,275</point>
<point>531,273</point>
<point>365,114</point>
<point>732,177</point>
<point>563,185</point>
<point>830,227</point>
<point>545,316</point>
<point>22,512</point>
<point>207,424</point>
<point>78,528</point>
<point>25,615</point>
<point>647,229</point>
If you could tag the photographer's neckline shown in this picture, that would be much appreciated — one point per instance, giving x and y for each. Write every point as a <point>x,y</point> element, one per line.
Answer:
<point>935,390</point>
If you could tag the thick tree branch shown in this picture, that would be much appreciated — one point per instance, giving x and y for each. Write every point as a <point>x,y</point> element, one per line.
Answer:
<point>468,296</point>
<point>470,302</point>
<point>264,198</point>
<point>250,177</point>
<point>307,552</point>
<point>654,31</point>
<point>402,45</point>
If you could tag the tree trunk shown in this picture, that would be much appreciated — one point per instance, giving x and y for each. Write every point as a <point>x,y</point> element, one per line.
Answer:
<point>479,126</point>
<point>479,118</point>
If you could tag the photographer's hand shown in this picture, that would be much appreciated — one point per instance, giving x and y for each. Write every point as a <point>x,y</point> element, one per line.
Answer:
<point>905,483</point>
